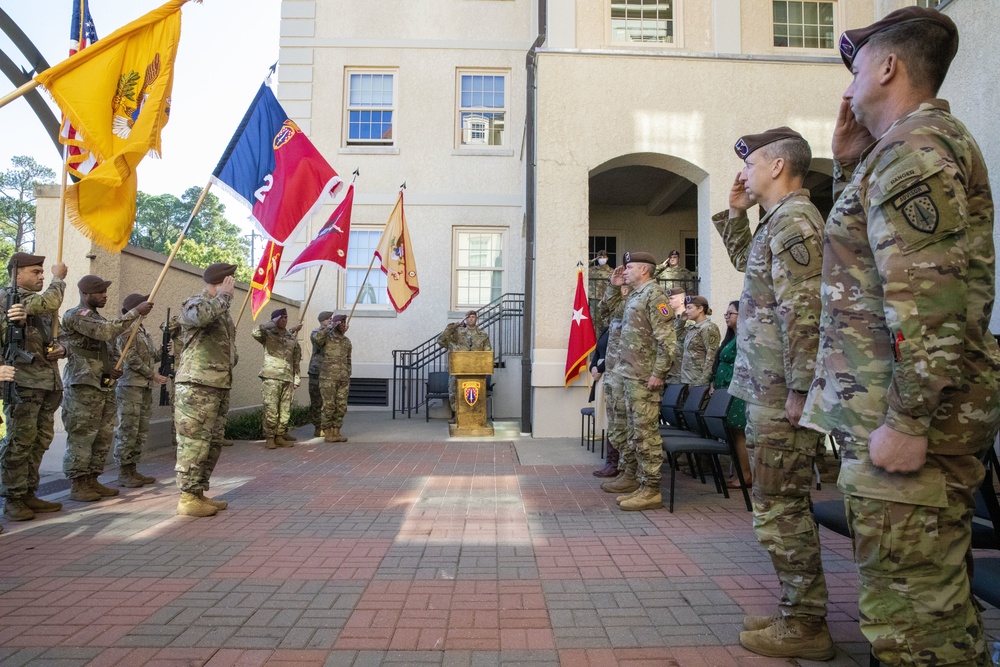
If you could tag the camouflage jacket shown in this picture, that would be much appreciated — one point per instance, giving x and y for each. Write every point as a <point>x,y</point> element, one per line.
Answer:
<point>282,352</point>
<point>700,347</point>
<point>455,337</point>
<point>89,339</point>
<point>141,360</point>
<point>208,341</point>
<point>335,354</point>
<point>597,281</point>
<point>647,337</point>
<point>908,290</point>
<point>681,328</point>
<point>778,330</point>
<point>316,358</point>
<point>42,307</point>
<point>613,304</point>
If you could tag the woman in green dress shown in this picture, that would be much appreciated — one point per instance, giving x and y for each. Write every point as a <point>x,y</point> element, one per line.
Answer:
<point>736,418</point>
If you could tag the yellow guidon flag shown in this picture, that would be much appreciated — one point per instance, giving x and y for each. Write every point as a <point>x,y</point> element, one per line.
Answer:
<point>398,264</point>
<point>116,93</point>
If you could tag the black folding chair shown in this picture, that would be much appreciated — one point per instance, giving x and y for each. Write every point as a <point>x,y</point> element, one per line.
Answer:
<point>437,387</point>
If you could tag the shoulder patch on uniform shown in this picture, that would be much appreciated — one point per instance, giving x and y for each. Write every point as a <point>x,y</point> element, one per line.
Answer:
<point>902,199</point>
<point>921,213</point>
<point>84,311</point>
<point>664,309</point>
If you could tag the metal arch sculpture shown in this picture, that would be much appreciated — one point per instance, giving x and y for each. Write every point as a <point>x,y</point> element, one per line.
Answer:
<point>18,76</point>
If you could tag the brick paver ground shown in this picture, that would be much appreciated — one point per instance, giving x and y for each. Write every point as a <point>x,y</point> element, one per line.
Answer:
<point>397,554</point>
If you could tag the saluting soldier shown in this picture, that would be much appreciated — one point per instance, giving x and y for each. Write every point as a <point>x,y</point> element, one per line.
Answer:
<point>334,374</point>
<point>462,336</point>
<point>315,363</point>
<point>31,419</point>
<point>279,376</point>
<point>908,372</point>
<point>88,407</point>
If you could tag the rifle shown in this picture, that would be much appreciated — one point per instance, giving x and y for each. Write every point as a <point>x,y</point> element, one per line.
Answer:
<point>166,360</point>
<point>13,349</point>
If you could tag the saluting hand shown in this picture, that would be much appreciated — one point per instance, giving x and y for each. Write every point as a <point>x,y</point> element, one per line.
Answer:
<point>618,276</point>
<point>850,138</point>
<point>228,285</point>
<point>739,198</point>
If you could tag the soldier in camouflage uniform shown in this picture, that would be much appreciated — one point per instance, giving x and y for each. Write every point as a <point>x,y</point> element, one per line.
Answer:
<point>598,274</point>
<point>204,379</point>
<point>334,375</point>
<point>646,349</point>
<point>678,306</point>
<point>673,274</point>
<point>776,340</point>
<point>619,456</point>
<point>315,395</point>
<point>134,396</point>
<point>88,407</point>
<point>464,336</point>
<point>38,387</point>
<point>908,371</point>
<point>279,375</point>
<point>701,343</point>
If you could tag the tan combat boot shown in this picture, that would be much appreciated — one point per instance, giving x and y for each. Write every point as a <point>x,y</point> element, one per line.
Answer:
<point>282,441</point>
<point>317,432</point>
<point>191,504</point>
<point>340,436</point>
<point>647,498</point>
<point>217,504</point>
<point>82,491</point>
<point>146,479</point>
<point>331,434</point>
<point>759,622</point>
<point>39,506</point>
<point>103,491</point>
<point>626,496</point>
<point>625,482</point>
<point>271,444</point>
<point>226,442</point>
<point>15,510</point>
<point>289,437</point>
<point>792,637</point>
<point>127,477</point>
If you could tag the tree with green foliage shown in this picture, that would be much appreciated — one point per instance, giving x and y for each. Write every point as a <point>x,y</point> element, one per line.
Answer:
<point>211,238</point>
<point>17,204</point>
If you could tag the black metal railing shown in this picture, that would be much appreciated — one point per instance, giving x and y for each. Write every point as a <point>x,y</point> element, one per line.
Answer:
<point>501,319</point>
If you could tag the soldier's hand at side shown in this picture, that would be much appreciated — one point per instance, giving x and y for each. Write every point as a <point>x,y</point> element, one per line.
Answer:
<point>59,270</point>
<point>116,373</point>
<point>17,313</point>
<point>654,383</point>
<point>793,407</point>
<point>297,381</point>
<point>159,379</point>
<point>228,285</point>
<point>170,347</point>
<point>144,308</point>
<point>56,351</point>
<point>618,276</point>
<point>894,451</point>
<point>739,198</point>
<point>6,373</point>
<point>850,138</point>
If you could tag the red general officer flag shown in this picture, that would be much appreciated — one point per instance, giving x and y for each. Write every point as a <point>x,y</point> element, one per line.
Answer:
<point>581,334</point>
<point>263,278</point>
<point>330,244</point>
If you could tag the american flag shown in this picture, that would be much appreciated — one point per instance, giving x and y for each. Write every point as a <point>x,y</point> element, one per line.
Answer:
<point>82,34</point>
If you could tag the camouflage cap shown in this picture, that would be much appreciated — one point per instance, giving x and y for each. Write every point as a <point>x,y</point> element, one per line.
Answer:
<point>23,259</point>
<point>215,273</point>
<point>639,257</point>
<point>748,143</point>
<point>279,312</point>
<point>91,284</point>
<point>852,40</point>
<point>325,315</point>
<point>133,300</point>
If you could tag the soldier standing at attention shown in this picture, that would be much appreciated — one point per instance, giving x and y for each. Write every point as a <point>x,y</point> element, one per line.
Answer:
<point>645,352</point>
<point>907,374</point>
<point>701,343</point>
<point>334,375</point>
<point>678,306</point>
<point>315,395</point>
<point>462,336</point>
<point>598,273</point>
<point>88,407</point>
<point>776,340</point>
<point>279,376</point>
<point>204,379</point>
<point>30,420</point>
<point>134,394</point>
<point>620,457</point>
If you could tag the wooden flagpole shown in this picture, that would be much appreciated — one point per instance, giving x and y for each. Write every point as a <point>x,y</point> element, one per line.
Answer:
<point>163,273</point>
<point>22,90</point>
<point>243,308</point>
<point>62,226</point>
<point>302,312</point>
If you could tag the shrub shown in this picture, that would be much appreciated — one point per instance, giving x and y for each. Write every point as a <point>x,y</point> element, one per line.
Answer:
<point>249,425</point>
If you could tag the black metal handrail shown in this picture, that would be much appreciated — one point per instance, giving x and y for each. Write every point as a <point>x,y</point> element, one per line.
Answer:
<point>500,319</point>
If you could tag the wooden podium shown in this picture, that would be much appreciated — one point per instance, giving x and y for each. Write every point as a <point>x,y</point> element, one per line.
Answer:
<point>470,370</point>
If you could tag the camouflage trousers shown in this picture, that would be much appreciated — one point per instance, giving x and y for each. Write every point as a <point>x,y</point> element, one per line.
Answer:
<point>334,402</point>
<point>614,404</point>
<point>781,457</point>
<point>88,413</point>
<point>135,404</point>
<point>453,394</point>
<point>913,563</point>
<point>200,413</point>
<point>642,423</point>
<point>277,405</point>
<point>30,427</point>
<point>315,402</point>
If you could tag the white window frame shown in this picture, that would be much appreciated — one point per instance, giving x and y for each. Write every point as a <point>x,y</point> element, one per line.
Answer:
<point>374,144</point>
<point>678,19</point>
<point>456,304</point>
<point>459,109</point>
<point>376,278</point>
<point>839,7</point>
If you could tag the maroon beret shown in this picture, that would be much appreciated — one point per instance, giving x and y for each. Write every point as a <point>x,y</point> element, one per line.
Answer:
<point>639,257</point>
<point>852,40</point>
<point>748,143</point>
<point>279,312</point>
<point>91,284</point>
<point>698,300</point>
<point>23,259</point>
<point>337,319</point>
<point>133,300</point>
<point>215,273</point>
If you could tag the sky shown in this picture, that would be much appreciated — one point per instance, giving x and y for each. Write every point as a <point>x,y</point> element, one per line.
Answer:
<point>225,51</point>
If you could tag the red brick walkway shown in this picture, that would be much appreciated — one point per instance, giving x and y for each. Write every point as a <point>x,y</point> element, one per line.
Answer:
<point>396,554</point>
